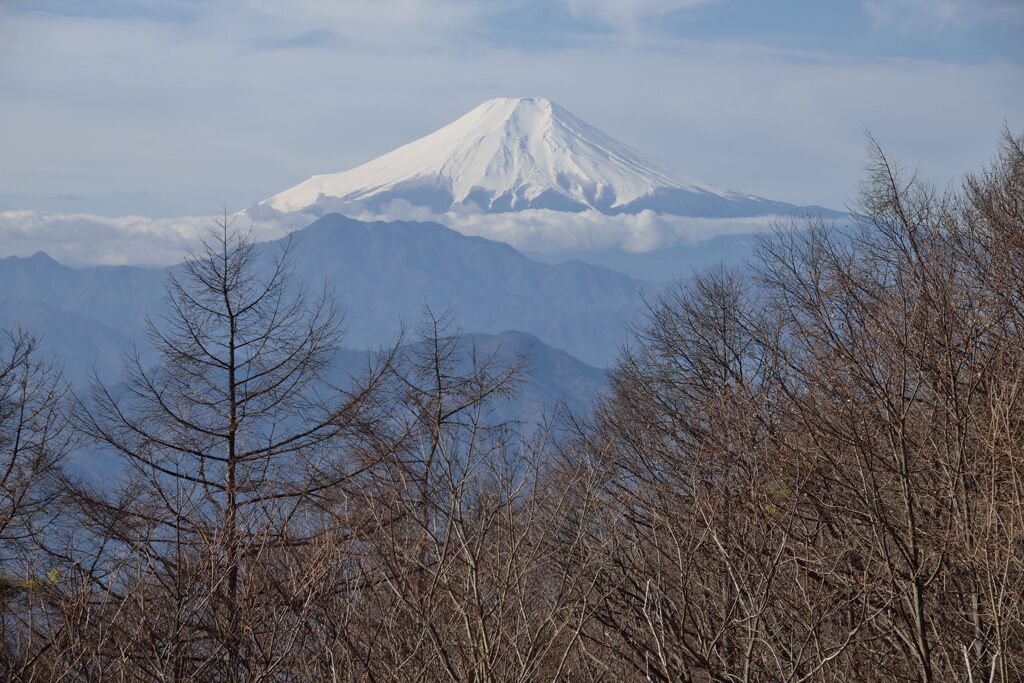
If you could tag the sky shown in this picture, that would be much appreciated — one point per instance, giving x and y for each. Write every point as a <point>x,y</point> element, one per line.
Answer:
<point>165,108</point>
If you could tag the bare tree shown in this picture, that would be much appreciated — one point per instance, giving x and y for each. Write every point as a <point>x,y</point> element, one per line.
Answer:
<point>233,448</point>
<point>457,577</point>
<point>813,470</point>
<point>34,440</point>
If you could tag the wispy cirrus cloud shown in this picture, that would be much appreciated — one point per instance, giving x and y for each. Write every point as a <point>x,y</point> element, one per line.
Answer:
<point>396,24</point>
<point>627,14</point>
<point>939,14</point>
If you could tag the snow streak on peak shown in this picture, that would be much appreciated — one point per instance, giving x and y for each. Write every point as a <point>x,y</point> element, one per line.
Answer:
<point>506,154</point>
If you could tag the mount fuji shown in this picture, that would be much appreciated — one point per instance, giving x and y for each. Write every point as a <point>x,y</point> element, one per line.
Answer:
<point>511,154</point>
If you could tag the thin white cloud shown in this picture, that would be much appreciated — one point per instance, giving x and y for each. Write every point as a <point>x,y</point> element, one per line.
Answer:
<point>87,239</point>
<point>627,14</point>
<point>403,24</point>
<point>543,231</point>
<point>938,14</point>
<point>551,232</point>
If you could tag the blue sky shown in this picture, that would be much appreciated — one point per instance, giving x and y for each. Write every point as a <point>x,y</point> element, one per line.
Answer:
<point>172,107</point>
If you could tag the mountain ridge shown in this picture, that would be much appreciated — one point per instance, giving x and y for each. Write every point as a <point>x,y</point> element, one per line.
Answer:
<point>383,275</point>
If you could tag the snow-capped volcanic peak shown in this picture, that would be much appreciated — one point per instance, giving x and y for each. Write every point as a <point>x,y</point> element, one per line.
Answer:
<point>506,154</point>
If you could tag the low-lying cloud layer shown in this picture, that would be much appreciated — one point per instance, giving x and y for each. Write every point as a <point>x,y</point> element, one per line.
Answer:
<point>551,232</point>
<point>543,231</point>
<point>87,239</point>
<point>81,238</point>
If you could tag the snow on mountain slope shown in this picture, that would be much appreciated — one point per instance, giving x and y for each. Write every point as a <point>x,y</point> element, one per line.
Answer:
<point>511,154</point>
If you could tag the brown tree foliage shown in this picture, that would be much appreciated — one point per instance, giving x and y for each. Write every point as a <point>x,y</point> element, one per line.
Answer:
<point>807,469</point>
<point>815,465</point>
